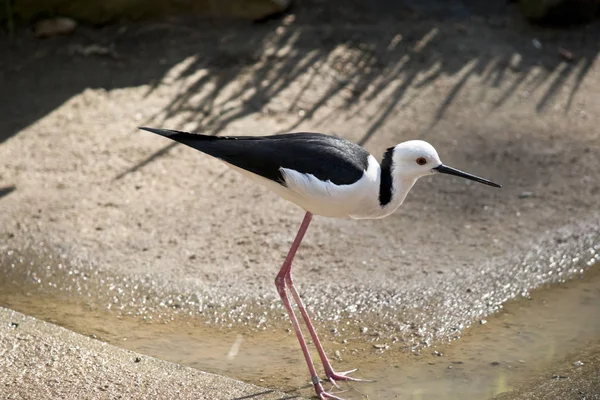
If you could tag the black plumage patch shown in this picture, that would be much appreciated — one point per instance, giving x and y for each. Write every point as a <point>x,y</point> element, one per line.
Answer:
<point>386,185</point>
<point>326,157</point>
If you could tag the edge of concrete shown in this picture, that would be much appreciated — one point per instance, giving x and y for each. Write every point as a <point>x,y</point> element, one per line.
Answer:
<point>39,360</point>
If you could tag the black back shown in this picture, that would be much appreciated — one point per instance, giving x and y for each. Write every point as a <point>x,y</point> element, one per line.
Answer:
<point>326,157</point>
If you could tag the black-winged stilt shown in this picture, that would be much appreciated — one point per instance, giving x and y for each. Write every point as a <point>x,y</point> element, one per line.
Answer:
<point>327,176</point>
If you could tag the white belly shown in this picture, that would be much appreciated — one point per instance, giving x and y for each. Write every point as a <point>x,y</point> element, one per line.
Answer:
<point>358,200</point>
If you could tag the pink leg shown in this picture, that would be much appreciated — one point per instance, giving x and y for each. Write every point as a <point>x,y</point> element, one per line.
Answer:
<point>281,289</point>
<point>332,376</point>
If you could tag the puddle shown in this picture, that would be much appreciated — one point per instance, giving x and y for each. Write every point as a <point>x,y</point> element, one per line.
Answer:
<point>510,347</point>
<point>490,357</point>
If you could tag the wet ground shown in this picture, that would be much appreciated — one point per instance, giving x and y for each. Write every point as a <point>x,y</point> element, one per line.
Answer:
<point>564,379</point>
<point>529,337</point>
<point>124,224</point>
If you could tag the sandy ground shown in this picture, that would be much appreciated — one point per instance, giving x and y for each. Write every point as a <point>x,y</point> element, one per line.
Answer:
<point>42,361</point>
<point>151,226</point>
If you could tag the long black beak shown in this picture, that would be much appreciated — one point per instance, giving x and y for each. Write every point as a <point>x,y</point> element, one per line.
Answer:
<point>444,169</point>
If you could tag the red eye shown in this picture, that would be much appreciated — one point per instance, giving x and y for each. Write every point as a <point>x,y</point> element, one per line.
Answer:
<point>421,161</point>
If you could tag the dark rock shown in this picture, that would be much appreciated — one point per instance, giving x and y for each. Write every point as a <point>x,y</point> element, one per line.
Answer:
<point>565,54</point>
<point>559,12</point>
<point>104,11</point>
<point>54,27</point>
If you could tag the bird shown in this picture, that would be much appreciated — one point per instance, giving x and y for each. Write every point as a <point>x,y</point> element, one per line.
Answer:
<point>328,176</point>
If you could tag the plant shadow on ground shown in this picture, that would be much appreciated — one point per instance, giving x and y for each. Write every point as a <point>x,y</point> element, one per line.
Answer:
<point>330,55</point>
<point>6,190</point>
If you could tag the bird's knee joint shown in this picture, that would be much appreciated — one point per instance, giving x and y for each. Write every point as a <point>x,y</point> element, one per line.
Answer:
<point>280,281</point>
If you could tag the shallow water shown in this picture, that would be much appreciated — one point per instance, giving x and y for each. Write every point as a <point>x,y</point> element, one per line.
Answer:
<point>491,357</point>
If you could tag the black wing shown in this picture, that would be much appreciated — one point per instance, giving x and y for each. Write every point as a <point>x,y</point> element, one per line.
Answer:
<point>326,157</point>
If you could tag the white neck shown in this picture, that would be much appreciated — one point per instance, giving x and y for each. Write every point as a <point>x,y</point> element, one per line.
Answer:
<point>386,194</point>
<point>400,189</point>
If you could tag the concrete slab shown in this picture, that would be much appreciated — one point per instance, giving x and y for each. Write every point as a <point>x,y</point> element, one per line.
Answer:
<point>39,360</point>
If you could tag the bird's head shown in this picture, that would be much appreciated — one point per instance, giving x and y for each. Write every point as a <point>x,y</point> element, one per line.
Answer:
<point>416,158</point>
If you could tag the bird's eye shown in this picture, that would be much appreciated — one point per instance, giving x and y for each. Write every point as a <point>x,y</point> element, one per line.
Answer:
<point>421,161</point>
